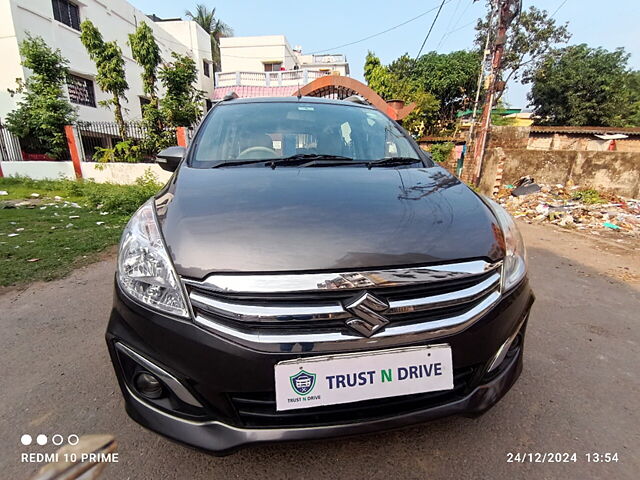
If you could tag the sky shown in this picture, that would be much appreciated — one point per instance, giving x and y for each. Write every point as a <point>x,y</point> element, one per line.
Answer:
<point>320,27</point>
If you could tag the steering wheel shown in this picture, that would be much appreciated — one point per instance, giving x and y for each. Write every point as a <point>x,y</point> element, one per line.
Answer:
<point>258,152</point>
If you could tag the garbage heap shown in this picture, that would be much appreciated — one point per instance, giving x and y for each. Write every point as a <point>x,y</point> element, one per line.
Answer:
<point>571,206</point>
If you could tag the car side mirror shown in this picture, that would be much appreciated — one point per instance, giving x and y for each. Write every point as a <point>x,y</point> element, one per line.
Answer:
<point>170,158</point>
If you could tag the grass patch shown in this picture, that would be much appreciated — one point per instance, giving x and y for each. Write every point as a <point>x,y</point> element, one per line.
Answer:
<point>45,238</point>
<point>22,188</point>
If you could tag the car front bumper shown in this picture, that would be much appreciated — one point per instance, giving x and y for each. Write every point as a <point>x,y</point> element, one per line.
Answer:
<point>212,368</point>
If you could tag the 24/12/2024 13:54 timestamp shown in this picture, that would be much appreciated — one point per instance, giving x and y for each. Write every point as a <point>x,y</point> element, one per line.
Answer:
<point>562,457</point>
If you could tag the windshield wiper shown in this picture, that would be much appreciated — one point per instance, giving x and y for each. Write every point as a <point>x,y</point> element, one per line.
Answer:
<point>310,159</point>
<point>235,163</point>
<point>314,156</point>
<point>331,163</point>
<point>319,160</point>
<point>300,159</point>
<point>383,162</point>
<point>315,160</point>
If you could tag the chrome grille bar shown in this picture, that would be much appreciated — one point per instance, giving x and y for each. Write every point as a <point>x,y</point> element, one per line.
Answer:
<point>280,312</point>
<point>445,299</point>
<point>332,341</point>
<point>260,319</point>
<point>309,282</point>
<point>249,312</point>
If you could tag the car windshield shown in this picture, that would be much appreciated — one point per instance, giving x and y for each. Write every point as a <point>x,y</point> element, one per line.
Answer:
<point>242,132</point>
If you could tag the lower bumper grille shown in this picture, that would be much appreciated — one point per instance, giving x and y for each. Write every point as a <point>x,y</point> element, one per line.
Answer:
<point>259,409</point>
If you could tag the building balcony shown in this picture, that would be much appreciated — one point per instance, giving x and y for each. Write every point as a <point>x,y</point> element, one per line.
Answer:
<point>268,79</point>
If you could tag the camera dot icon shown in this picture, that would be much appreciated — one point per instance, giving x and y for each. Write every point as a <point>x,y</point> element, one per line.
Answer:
<point>26,439</point>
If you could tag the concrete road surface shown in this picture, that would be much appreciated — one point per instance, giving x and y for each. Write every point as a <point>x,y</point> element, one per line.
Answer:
<point>579,392</point>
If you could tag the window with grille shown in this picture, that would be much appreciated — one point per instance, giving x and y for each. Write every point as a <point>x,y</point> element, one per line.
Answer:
<point>272,67</point>
<point>206,68</point>
<point>67,13</point>
<point>81,91</point>
<point>143,101</point>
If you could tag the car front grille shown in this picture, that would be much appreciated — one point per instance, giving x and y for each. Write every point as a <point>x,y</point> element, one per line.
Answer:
<point>258,410</point>
<point>276,309</point>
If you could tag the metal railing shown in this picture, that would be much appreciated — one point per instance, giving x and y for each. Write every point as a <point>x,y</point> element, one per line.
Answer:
<point>10,150</point>
<point>94,135</point>
<point>268,79</point>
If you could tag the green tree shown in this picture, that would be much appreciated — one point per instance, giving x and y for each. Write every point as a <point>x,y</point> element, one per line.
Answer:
<point>529,38</point>
<point>110,65</point>
<point>424,118</point>
<point>579,85</point>
<point>380,79</point>
<point>182,104</point>
<point>43,110</point>
<point>444,82</point>
<point>451,77</point>
<point>146,53</point>
<point>390,85</point>
<point>216,28</point>
<point>633,90</point>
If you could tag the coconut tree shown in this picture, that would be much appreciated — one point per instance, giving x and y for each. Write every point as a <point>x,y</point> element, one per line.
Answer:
<point>216,28</point>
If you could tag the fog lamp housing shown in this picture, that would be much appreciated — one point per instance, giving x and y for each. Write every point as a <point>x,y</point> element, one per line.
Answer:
<point>148,385</point>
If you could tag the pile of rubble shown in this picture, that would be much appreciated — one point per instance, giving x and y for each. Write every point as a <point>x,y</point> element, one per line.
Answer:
<point>571,206</point>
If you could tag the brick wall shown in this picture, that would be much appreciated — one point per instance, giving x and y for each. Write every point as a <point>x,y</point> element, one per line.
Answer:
<point>559,157</point>
<point>555,155</point>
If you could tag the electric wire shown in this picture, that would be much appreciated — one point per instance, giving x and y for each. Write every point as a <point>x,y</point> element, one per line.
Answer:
<point>557,9</point>
<point>382,32</point>
<point>430,29</point>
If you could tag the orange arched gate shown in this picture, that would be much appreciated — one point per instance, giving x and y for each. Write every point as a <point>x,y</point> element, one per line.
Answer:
<point>338,87</point>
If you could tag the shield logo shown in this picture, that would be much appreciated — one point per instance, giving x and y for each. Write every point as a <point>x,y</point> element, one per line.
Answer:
<point>303,382</point>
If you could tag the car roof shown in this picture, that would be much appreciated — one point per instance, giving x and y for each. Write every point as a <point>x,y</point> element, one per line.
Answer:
<point>292,99</point>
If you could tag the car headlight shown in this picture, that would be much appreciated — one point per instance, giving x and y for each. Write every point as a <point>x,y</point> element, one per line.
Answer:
<point>145,271</point>
<point>515,260</point>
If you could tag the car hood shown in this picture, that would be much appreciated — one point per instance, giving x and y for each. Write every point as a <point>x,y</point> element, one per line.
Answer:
<point>255,219</point>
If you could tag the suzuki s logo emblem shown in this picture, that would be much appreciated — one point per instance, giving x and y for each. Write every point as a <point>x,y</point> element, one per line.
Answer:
<point>366,307</point>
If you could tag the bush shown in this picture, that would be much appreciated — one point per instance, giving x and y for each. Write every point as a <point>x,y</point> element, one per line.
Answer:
<point>440,151</point>
<point>124,151</point>
<point>42,109</point>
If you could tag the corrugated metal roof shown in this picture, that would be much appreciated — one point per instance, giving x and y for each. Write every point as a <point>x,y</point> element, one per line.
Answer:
<point>497,111</point>
<point>583,130</point>
<point>431,138</point>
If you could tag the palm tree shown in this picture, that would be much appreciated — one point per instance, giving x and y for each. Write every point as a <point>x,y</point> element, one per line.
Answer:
<point>216,28</point>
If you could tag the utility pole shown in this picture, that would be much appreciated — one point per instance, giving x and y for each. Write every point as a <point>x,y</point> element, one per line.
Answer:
<point>485,54</point>
<point>506,10</point>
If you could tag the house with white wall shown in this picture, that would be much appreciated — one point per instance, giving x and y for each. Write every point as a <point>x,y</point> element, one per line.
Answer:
<point>270,61</point>
<point>58,23</point>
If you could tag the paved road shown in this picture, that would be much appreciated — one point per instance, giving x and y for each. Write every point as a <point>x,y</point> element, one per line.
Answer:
<point>579,392</point>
